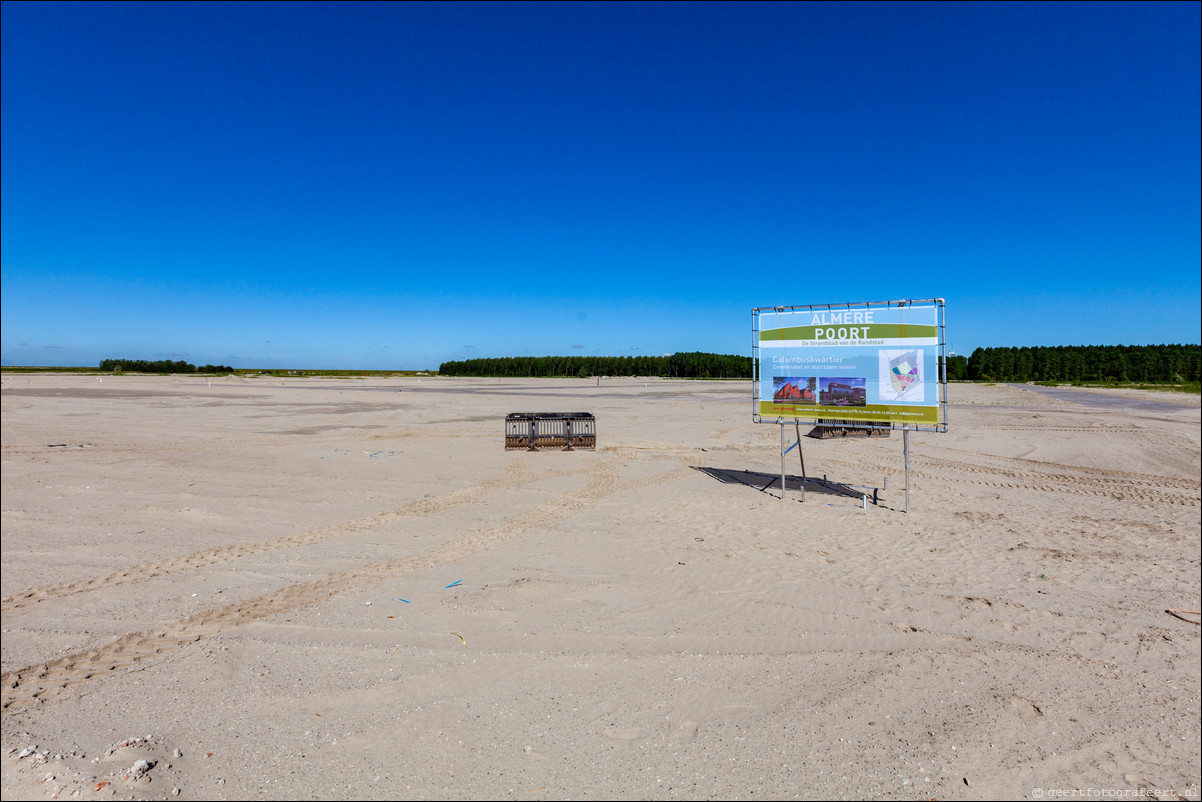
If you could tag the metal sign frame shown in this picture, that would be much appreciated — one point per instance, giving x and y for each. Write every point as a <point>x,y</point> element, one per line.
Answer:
<point>941,367</point>
<point>940,406</point>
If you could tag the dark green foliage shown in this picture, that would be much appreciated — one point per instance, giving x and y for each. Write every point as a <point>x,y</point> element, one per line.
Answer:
<point>694,365</point>
<point>1087,363</point>
<point>957,368</point>
<point>160,366</point>
<point>700,365</point>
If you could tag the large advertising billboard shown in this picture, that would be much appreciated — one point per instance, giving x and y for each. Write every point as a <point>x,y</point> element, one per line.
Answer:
<point>877,362</point>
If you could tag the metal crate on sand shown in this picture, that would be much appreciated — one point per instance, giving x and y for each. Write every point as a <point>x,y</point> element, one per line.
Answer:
<point>537,430</point>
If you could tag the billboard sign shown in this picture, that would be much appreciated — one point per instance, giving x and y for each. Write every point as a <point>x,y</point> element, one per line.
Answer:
<point>876,362</point>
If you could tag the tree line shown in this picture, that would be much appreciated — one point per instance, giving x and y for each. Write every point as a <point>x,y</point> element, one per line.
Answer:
<point>1063,363</point>
<point>1070,363</point>
<point>159,366</point>
<point>691,365</point>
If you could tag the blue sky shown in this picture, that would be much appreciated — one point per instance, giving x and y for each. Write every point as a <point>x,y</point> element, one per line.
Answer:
<point>390,186</point>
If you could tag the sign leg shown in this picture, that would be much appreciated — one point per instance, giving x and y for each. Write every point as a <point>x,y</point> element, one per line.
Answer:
<point>782,461</point>
<point>800,456</point>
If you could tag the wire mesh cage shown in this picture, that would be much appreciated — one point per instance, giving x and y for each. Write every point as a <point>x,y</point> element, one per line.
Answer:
<point>564,430</point>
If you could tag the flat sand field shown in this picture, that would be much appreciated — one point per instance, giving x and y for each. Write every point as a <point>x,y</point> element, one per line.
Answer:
<point>315,588</point>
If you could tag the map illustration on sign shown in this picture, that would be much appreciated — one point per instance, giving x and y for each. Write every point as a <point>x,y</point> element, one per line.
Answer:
<point>901,376</point>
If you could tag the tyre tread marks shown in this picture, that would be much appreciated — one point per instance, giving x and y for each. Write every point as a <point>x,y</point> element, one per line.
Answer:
<point>516,473</point>
<point>1059,478</point>
<point>38,683</point>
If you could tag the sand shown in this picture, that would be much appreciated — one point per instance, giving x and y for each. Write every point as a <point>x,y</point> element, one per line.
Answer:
<point>250,584</point>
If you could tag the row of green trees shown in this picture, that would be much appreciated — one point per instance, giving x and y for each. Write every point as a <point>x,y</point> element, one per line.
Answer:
<point>691,365</point>
<point>1066,363</point>
<point>1069,363</point>
<point>957,368</point>
<point>159,366</point>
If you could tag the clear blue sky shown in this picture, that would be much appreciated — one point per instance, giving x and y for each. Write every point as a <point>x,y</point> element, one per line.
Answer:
<point>383,186</point>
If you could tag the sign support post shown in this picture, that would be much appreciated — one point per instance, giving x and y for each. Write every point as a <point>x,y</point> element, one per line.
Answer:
<point>784,451</point>
<point>800,456</point>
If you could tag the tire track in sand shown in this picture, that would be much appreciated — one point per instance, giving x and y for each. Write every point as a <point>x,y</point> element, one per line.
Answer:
<point>37,683</point>
<point>1052,478</point>
<point>516,473</point>
<point>159,448</point>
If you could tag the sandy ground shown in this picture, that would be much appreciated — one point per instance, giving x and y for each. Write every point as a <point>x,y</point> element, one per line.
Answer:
<point>249,584</point>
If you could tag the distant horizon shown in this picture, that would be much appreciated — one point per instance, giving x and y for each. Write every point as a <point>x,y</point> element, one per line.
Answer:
<point>193,360</point>
<point>535,356</point>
